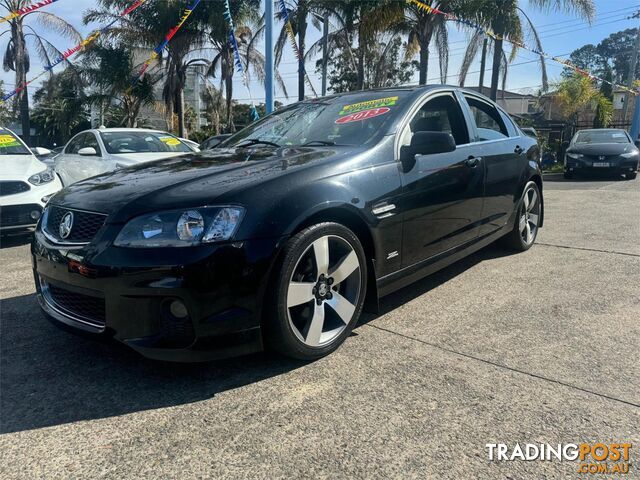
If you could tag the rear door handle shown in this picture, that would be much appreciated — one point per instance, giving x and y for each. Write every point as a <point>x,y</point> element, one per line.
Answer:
<point>519,150</point>
<point>473,162</point>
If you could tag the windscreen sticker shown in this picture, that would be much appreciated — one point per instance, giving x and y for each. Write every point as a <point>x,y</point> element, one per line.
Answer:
<point>619,135</point>
<point>170,141</point>
<point>377,103</point>
<point>367,114</point>
<point>7,141</point>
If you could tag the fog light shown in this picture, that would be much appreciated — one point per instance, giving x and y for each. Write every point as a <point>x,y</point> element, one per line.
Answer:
<point>35,214</point>
<point>46,198</point>
<point>178,309</point>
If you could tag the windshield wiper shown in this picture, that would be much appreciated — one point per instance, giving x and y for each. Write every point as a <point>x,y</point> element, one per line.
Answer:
<point>319,142</point>
<point>257,141</point>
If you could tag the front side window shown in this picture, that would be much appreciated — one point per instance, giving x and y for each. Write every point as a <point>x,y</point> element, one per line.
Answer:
<point>12,145</point>
<point>354,119</point>
<point>90,141</point>
<point>441,114</point>
<point>75,144</point>
<point>142,142</point>
<point>488,120</point>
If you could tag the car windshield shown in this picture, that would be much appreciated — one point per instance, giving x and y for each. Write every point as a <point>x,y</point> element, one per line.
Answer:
<point>602,136</point>
<point>11,145</point>
<point>142,142</point>
<point>354,120</point>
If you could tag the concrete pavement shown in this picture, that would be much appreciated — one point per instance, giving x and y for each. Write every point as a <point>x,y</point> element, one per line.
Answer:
<point>536,347</point>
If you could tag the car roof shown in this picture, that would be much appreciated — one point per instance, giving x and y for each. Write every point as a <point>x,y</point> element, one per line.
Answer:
<point>126,130</point>
<point>601,130</point>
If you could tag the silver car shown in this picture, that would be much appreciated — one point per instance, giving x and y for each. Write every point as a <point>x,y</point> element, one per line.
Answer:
<point>97,151</point>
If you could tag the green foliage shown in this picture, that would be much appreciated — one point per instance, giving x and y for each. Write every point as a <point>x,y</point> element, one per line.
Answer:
<point>576,93</point>
<point>5,115</point>
<point>60,110</point>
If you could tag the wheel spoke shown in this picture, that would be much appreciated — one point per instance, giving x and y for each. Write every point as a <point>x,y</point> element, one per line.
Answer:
<point>343,307</point>
<point>316,326</point>
<point>528,233</point>
<point>533,219</point>
<point>534,200</point>
<point>321,252</point>
<point>526,200</point>
<point>299,293</point>
<point>345,268</point>
<point>523,223</point>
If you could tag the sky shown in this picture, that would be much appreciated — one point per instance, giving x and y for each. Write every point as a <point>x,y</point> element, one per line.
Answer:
<point>561,34</point>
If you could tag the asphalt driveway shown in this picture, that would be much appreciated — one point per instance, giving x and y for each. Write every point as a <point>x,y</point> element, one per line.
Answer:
<point>500,348</point>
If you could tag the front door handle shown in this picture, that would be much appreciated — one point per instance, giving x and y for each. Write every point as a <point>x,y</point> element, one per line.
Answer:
<point>518,150</point>
<point>473,162</point>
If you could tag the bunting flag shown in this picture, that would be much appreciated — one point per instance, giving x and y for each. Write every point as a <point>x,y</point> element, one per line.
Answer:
<point>237,59</point>
<point>25,10</point>
<point>432,10</point>
<point>292,38</point>
<point>158,50</point>
<point>72,51</point>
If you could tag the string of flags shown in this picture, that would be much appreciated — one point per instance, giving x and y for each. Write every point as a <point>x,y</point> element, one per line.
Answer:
<point>292,38</point>
<point>432,10</point>
<point>161,46</point>
<point>237,59</point>
<point>28,9</point>
<point>72,51</point>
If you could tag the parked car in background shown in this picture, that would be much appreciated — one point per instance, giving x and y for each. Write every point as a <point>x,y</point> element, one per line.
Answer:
<point>278,237</point>
<point>602,150</point>
<point>195,147</point>
<point>530,131</point>
<point>214,141</point>
<point>25,183</point>
<point>48,157</point>
<point>103,150</point>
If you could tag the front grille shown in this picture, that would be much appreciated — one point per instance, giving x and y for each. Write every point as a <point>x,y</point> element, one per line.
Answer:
<point>11,188</point>
<point>84,228</point>
<point>81,307</point>
<point>18,215</point>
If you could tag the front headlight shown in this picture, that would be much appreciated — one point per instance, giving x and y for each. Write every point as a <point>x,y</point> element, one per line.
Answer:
<point>181,228</point>
<point>46,176</point>
<point>629,155</point>
<point>575,156</point>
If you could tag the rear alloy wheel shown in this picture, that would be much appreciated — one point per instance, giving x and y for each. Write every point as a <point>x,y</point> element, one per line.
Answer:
<point>321,291</point>
<point>525,230</point>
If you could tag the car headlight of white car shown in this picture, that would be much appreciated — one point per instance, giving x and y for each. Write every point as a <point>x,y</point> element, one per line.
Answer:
<point>46,176</point>
<point>181,228</point>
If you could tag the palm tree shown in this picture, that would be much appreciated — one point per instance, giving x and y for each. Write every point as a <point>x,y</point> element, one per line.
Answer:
<point>16,56</point>
<point>108,68</point>
<point>422,28</point>
<point>505,19</point>
<point>146,28</point>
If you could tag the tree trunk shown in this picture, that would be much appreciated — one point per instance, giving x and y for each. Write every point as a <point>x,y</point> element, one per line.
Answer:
<point>229,94</point>
<point>182,128</point>
<point>360,65</point>
<point>21,78</point>
<point>424,61</point>
<point>483,63</point>
<point>495,72</point>
<point>302,33</point>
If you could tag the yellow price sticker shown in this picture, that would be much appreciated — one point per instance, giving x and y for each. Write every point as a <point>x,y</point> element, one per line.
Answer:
<point>170,141</point>
<point>8,141</point>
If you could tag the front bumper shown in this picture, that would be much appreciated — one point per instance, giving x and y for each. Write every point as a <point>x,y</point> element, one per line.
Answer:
<point>607,165</point>
<point>23,210</point>
<point>126,294</point>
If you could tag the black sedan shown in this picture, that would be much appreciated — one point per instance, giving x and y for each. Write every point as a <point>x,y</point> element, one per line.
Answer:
<point>602,150</point>
<point>282,235</point>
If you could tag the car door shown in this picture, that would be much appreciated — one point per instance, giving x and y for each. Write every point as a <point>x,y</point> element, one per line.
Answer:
<point>442,193</point>
<point>499,143</point>
<point>68,162</point>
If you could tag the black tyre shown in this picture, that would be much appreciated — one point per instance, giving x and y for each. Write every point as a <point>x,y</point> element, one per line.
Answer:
<point>525,229</point>
<point>320,287</point>
<point>568,175</point>
<point>631,176</point>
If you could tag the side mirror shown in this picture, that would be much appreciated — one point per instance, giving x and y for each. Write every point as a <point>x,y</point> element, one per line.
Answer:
<point>565,145</point>
<point>41,151</point>
<point>426,143</point>
<point>637,143</point>
<point>88,152</point>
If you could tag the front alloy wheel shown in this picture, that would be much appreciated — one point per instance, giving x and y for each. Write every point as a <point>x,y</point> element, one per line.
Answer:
<point>527,222</point>
<point>325,272</point>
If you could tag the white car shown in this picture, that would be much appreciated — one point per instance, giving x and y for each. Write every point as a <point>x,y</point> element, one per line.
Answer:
<point>25,183</point>
<point>102,150</point>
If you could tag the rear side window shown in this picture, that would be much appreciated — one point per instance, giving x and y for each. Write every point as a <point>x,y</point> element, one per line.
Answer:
<point>490,124</point>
